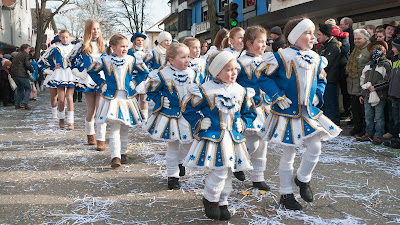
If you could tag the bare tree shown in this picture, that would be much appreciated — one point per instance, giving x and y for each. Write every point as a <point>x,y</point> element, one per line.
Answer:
<point>131,18</point>
<point>43,20</point>
<point>212,12</point>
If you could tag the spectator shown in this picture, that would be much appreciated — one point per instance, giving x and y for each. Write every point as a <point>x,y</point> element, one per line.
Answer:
<point>277,39</point>
<point>5,87</point>
<point>371,30</point>
<point>19,68</point>
<point>380,35</point>
<point>330,50</point>
<point>359,57</point>
<point>204,47</point>
<point>389,35</point>
<point>394,94</point>
<point>346,24</point>
<point>374,83</point>
<point>1,58</point>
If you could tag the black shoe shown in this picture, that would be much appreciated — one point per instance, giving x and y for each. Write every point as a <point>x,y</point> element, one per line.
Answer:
<point>225,215</point>
<point>305,190</point>
<point>211,209</point>
<point>355,130</point>
<point>261,186</point>
<point>182,170</point>
<point>290,202</point>
<point>124,159</point>
<point>345,115</point>
<point>173,183</point>
<point>395,143</point>
<point>240,175</point>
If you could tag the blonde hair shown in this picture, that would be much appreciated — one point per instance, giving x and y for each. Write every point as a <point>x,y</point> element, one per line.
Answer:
<point>251,34</point>
<point>134,45</point>
<point>114,41</point>
<point>234,31</point>
<point>87,38</point>
<point>172,52</point>
<point>64,31</point>
<point>189,40</point>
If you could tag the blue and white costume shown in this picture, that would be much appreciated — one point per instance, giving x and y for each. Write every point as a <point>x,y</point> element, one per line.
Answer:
<point>118,106</point>
<point>221,145</point>
<point>251,69</point>
<point>199,66</point>
<point>156,58</point>
<point>299,76</point>
<point>82,62</point>
<point>168,124</point>
<point>142,58</point>
<point>62,76</point>
<point>232,50</point>
<point>47,67</point>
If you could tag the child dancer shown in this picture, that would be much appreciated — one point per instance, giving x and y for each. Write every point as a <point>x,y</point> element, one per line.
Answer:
<point>82,56</point>
<point>63,79</point>
<point>118,106</point>
<point>196,63</point>
<point>141,55</point>
<point>220,110</point>
<point>236,42</point>
<point>43,63</point>
<point>295,80</point>
<point>166,88</point>
<point>158,55</point>
<point>251,68</point>
<point>218,43</point>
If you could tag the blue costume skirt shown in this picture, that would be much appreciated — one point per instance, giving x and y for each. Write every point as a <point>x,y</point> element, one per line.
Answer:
<point>169,129</point>
<point>216,155</point>
<point>62,78</point>
<point>262,113</point>
<point>120,109</point>
<point>292,131</point>
<point>88,85</point>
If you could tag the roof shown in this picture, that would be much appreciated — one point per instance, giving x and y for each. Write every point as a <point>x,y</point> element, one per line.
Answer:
<point>155,28</point>
<point>47,12</point>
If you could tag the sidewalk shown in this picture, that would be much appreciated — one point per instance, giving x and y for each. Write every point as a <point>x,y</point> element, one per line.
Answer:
<point>50,176</point>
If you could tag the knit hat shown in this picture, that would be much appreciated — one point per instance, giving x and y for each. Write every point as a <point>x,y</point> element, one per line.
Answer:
<point>276,30</point>
<point>164,36</point>
<point>219,62</point>
<point>396,43</point>
<point>136,35</point>
<point>326,29</point>
<point>331,22</point>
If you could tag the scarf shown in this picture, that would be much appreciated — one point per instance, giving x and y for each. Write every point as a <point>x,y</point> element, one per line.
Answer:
<point>352,64</point>
<point>160,50</point>
<point>375,57</point>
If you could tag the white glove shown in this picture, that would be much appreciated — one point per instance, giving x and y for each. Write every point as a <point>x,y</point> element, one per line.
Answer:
<point>132,85</point>
<point>104,88</point>
<point>81,75</point>
<point>315,100</point>
<point>284,103</point>
<point>239,126</point>
<point>166,103</point>
<point>205,123</point>
<point>48,71</point>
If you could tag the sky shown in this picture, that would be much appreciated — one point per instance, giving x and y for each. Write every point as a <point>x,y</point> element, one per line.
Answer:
<point>157,10</point>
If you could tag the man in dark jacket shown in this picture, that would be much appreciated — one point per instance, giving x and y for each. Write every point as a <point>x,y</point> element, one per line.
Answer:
<point>19,68</point>
<point>277,39</point>
<point>330,50</point>
<point>346,25</point>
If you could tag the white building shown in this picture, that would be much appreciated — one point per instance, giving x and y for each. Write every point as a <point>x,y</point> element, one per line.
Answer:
<point>15,24</point>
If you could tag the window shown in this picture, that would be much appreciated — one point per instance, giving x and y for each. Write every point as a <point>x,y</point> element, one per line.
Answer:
<point>185,20</point>
<point>248,3</point>
<point>20,27</point>
<point>204,13</point>
<point>29,34</point>
<point>21,4</point>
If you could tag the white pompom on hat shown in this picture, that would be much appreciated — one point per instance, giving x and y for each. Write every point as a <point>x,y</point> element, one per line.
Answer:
<point>164,36</point>
<point>219,62</point>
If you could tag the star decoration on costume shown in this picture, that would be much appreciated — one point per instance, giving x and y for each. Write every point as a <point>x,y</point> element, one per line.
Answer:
<point>331,128</point>
<point>298,136</point>
<point>275,135</point>
<point>239,161</point>
<point>184,136</point>
<point>209,157</point>
<point>263,129</point>
<point>192,157</point>
<point>230,158</point>
<point>258,126</point>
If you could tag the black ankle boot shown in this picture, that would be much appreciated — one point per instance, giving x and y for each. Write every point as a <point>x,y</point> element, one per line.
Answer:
<point>225,215</point>
<point>211,209</point>
<point>182,170</point>
<point>261,186</point>
<point>305,190</point>
<point>240,175</point>
<point>290,202</point>
<point>173,183</point>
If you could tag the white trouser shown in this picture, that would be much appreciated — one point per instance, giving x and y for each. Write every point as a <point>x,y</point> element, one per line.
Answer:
<point>218,186</point>
<point>101,130</point>
<point>176,154</point>
<point>118,139</point>
<point>61,115</point>
<point>145,113</point>
<point>258,151</point>
<point>307,165</point>
<point>54,112</point>
<point>70,117</point>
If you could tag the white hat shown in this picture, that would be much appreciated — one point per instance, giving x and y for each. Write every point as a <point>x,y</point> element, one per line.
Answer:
<point>164,36</point>
<point>299,29</point>
<point>219,62</point>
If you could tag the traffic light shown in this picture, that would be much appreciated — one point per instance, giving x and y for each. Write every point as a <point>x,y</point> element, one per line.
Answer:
<point>233,14</point>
